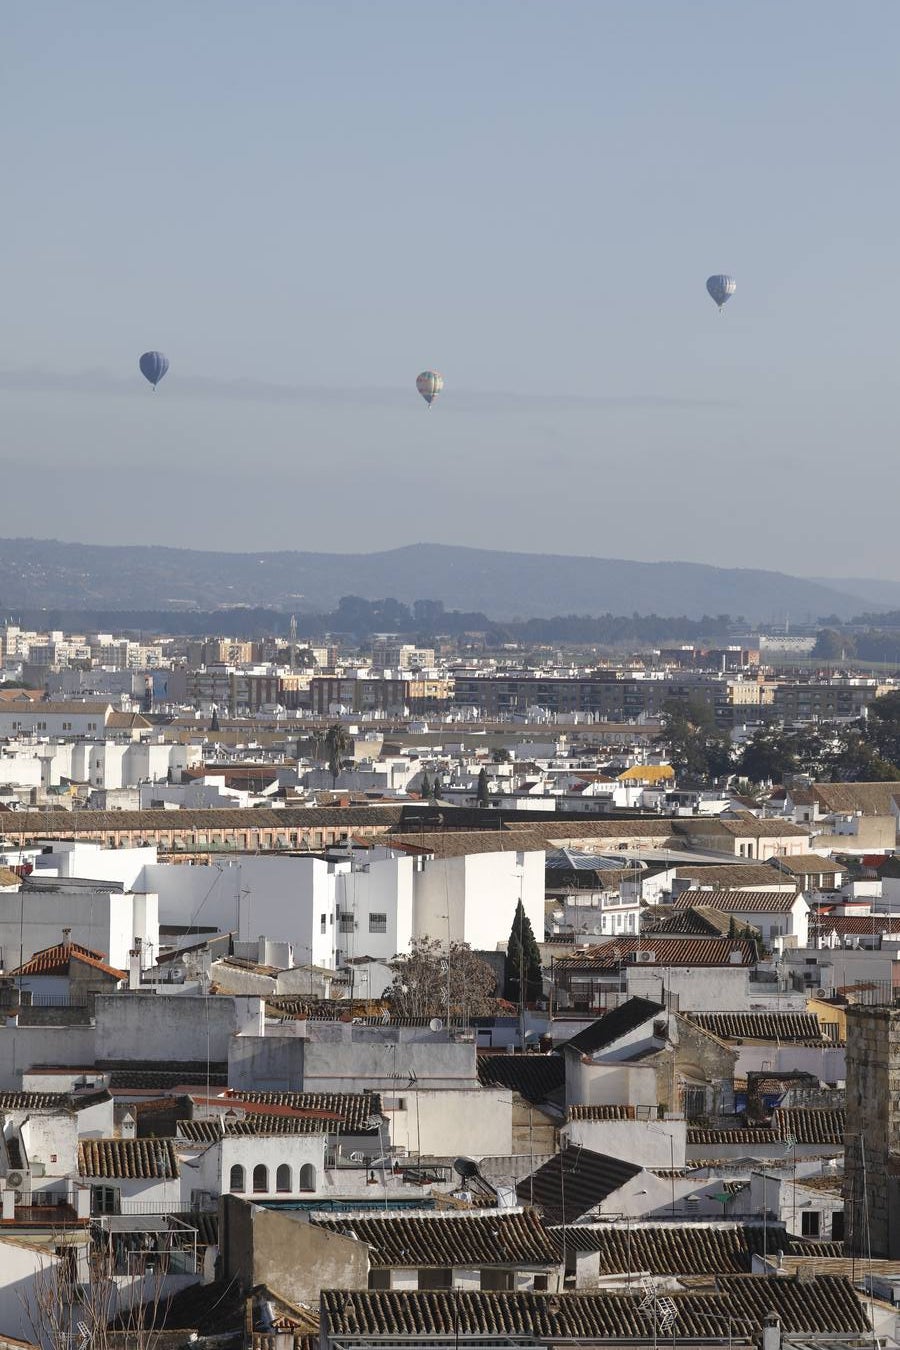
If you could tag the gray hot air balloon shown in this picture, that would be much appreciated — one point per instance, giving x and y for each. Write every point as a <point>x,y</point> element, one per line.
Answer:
<point>153,366</point>
<point>721,288</point>
<point>429,385</point>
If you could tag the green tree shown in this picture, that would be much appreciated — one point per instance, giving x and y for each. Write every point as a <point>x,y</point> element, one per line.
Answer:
<point>768,757</point>
<point>337,745</point>
<point>425,787</point>
<point>437,787</point>
<point>523,961</point>
<point>482,793</point>
<point>855,758</point>
<point>882,726</point>
<point>698,751</point>
<point>833,645</point>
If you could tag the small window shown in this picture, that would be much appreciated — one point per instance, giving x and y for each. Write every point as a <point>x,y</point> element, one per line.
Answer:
<point>323,923</point>
<point>104,1200</point>
<point>283,1179</point>
<point>260,1178</point>
<point>377,923</point>
<point>435,1278</point>
<point>236,1180</point>
<point>307,1180</point>
<point>346,923</point>
<point>810,1223</point>
<point>837,1226</point>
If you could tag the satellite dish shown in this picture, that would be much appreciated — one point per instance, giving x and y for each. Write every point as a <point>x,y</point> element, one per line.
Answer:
<point>465,1168</point>
<point>435,1024</point>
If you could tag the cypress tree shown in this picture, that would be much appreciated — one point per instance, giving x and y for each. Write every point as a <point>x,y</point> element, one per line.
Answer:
<point>482,795</point>
<point>522,955</point>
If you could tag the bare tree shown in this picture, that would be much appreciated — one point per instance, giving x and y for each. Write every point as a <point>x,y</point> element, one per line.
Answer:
<point>90,1298</point>
<point>432,980</point>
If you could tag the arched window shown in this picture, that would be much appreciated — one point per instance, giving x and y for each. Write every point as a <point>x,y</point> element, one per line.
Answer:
<point>283,1178</point>
<point>236,1183</point>
<point>307,1177</point>
<point>260,1177</point>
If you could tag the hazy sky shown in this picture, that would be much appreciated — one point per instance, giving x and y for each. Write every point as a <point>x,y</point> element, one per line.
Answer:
<point>305,202</point>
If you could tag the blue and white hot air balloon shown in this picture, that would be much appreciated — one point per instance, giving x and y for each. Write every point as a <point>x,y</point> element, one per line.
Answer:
<point>153,366</point>
<point>721,288</point>
<point>429,385</point>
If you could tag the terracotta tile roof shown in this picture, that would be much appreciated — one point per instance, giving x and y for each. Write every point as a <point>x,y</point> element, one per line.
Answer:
<point>354,1110</point>
<point>128,1158</point>
<point>809,1125</point>
<point>209,1131</point>
<point>35,1101</point>
<point>8,878</point>
<point>871,799</point>
<point>55,961</point>
<point>823,1304</point>
<point>697,921</point>
<point>456,843</point>
<point>810,864</point>
<point>742,827</point>
<point>667,951</point>
<point>739,876</point>
<point>612,1026</point>
<point>675,1249</point>
<point>855,925</point>
<point>739,902</point>
<point>602,1113</point>
<point>141,1077</point>
<point>782,1028</point>
<point>573,1181</point>
<point>451,1239</point>
<point>707,1136</point>
<point>44,824</point>
<point>534,1077</point>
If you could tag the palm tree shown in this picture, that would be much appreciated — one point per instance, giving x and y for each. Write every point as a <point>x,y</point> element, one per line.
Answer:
<point>337,746</point>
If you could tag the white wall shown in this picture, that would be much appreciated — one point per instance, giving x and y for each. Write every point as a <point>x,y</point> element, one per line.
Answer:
<point>23,1047</point>
<point>385,887</point>
<point>21,1278</point>
<point>698,989</point>
<point>92,861</point>
<point>610,1084</point>
<point>645,1143</point>
<point>476,1122</point>
<point>480,891</point>
<point>160,1027</point>
<point>107,921</point>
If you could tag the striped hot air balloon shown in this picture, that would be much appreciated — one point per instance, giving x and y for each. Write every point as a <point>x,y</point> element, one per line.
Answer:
<point>153,366</point>
<point>721,288</point>
<point>429,385</point>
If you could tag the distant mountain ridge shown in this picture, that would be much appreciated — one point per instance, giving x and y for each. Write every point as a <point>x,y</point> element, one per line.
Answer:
<point>503,585</point>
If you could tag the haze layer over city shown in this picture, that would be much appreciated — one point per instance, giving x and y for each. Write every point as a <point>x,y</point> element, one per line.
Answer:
<point>305,205</point>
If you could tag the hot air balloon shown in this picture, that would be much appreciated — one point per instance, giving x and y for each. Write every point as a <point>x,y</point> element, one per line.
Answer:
<point>429,385</point>
<point>721,288</point>
<point>153,366</point>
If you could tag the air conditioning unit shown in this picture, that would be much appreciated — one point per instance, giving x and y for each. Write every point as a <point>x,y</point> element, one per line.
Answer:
<point>644,958</point>
<point>15,1180</point>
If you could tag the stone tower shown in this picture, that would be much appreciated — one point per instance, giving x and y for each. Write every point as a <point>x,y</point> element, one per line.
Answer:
<point>872,1132</point>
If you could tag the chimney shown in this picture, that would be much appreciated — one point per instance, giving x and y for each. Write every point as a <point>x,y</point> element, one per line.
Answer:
<point>128,1128</point>
<point>67,936</point>
<point>134,965</point>
<point>771,1333</point>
